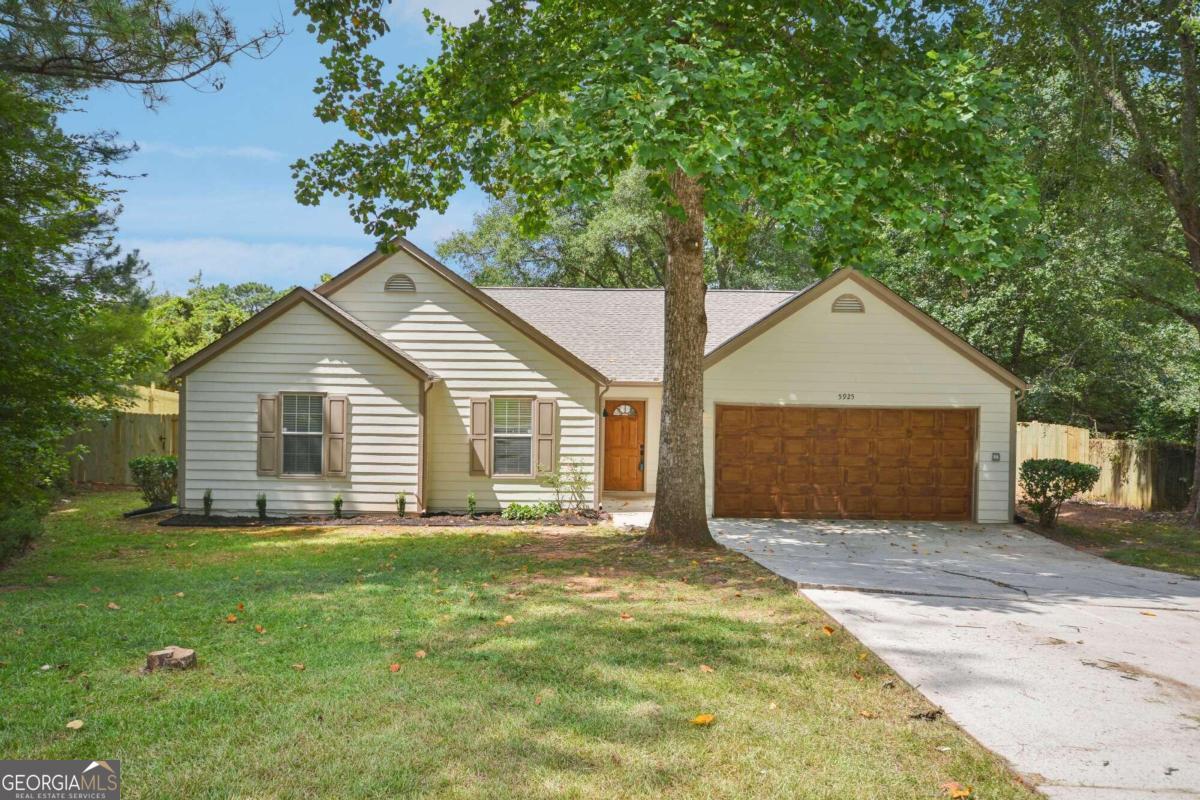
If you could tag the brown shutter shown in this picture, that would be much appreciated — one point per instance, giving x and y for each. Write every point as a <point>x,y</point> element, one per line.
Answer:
<point>545,454</point>
<point>337,412</point>
<point>268,434</point>
<point>481,430</point>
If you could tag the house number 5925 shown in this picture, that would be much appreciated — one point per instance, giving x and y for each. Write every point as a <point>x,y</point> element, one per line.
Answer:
<point>846,396</point>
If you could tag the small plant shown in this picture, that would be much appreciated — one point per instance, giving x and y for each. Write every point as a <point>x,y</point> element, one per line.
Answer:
<point>1049,482</point>
<point>471,504</point>
<point>207,503</point>
<point>401,501</point>
<point>570,485</point>
<point>337,505</point>
<point>519,511</point>
<point>261,502</point>
<point>155,476</point>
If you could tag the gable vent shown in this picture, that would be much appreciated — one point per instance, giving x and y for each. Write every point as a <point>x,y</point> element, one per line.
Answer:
<point>848,304</point>
<point>399,283</point>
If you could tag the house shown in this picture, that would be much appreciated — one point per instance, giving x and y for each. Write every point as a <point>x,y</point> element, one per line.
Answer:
<point>399,376</point>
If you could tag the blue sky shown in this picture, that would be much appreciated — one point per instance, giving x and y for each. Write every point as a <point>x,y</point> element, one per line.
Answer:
<point>214,192</point>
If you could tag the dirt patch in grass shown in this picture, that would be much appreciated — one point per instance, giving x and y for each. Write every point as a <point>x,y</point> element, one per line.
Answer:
<point>1159,540</point>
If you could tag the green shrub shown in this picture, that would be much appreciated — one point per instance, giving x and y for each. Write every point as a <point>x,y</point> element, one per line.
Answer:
<point>471,504</point>
<point>520,511</point>
<point>1049,482</point>
<point>207,503</point>
<point>570,485</point>
<point>337,505</point>
<point>261,502</point>
<point>19,526</point>
<point>401,501</point>
<point>155,476</point>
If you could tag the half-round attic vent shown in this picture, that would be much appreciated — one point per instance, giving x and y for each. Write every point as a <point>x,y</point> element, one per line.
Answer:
<point>399,283</point>
<point>848,304</point>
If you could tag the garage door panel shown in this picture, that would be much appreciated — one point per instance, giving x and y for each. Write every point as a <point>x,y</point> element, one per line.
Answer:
<point>791,461</point>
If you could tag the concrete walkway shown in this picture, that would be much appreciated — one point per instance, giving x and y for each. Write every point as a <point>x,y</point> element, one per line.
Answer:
<point>1084,674</point>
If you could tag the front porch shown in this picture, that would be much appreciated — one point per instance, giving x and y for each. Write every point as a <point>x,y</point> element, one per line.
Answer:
<point>628,509</point>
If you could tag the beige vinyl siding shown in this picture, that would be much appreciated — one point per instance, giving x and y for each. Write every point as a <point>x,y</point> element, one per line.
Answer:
<point>476,354</point>
<point>301,351</point>
<point>881,357</point>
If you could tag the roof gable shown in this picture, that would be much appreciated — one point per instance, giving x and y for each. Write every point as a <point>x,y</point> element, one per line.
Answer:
<point>539,337</point>
<point>328,309</point>
<point>883,293</point>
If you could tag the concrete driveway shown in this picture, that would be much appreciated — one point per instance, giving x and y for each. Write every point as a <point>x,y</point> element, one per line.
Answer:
<point>1084,674</point>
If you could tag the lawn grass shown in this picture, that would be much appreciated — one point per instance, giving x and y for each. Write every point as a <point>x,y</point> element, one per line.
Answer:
<point>1161,545</point>
<point>588,692</point>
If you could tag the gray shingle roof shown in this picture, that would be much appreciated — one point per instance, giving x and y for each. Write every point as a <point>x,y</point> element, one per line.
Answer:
<point>620,331</point>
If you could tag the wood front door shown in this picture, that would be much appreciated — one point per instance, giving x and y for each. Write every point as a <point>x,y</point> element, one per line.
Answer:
<point>624,445</point>
<point>856,463</point>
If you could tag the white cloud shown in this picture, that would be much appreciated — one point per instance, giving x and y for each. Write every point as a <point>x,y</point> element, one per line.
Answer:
<point>252,152</point>
<point>457,12</point>
<point>173,262</point>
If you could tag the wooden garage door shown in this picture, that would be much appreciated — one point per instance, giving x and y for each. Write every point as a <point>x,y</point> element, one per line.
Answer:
<point>855,463</point>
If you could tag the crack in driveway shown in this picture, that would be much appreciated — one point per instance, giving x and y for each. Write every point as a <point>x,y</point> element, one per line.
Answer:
<point>1001,584</point>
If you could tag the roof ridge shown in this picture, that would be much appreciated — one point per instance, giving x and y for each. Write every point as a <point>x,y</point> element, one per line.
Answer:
<point>630,289</point>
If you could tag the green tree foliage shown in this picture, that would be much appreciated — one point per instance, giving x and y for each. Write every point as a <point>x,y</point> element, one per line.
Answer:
<point>70,303</point>
<point>829,116</point>
<point>182,324</point>
<point>76,45</point>
<point>1122,84</point>
<point>618,240</point>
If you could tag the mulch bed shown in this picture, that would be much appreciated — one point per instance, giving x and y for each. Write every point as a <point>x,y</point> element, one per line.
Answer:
<point>431,521</point>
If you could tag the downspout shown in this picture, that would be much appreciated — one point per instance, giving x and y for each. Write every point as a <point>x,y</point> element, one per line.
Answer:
<point>598,461</point>
<point>422,449</point>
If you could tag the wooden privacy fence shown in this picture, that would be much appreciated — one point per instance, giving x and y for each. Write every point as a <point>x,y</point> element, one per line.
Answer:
<point>1154,476</point>
<point>111,444</point>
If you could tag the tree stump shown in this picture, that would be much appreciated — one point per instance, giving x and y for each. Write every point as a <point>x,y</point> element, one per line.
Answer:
<point>171,657</point>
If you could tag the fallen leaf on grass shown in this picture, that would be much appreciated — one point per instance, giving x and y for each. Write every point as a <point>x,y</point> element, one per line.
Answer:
<point>773,706</point>
<point>827,630</point>
<point>706,668</point>
<point>231,618</point>
<point>241,606</point>
<point>862,656</point>
<point>508,620</point>
<point>75,724</point>
<point>113,607</point>
<point>419,654</point>
<point>930,715</point>
<point>858,676</point>
<point>394,667</point>
<point>537,701</point>
<point>259,629</point>
<point>179,594</point>
<point>298,667</point>
<point>868,714</point>
<point>956,790</point>
<point>625,617</point>
<point>704,719</point>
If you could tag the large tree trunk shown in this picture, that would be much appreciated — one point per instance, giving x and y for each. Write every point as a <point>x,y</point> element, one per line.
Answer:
<point>679,515</point>
<point>1193,506</point>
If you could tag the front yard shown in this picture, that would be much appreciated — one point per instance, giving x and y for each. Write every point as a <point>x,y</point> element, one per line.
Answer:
<point>355,662</point>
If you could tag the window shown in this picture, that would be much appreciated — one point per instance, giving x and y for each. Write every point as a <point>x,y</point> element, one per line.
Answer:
<point>624,410</point>
<point>512,436</point>
<point>399,283</point>
<point>848,304</point>
<point>303,433</point>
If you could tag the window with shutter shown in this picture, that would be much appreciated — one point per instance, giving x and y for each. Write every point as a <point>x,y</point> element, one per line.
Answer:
<point>303,432</point>
<point>512,436</point>
<point>337,412</point>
